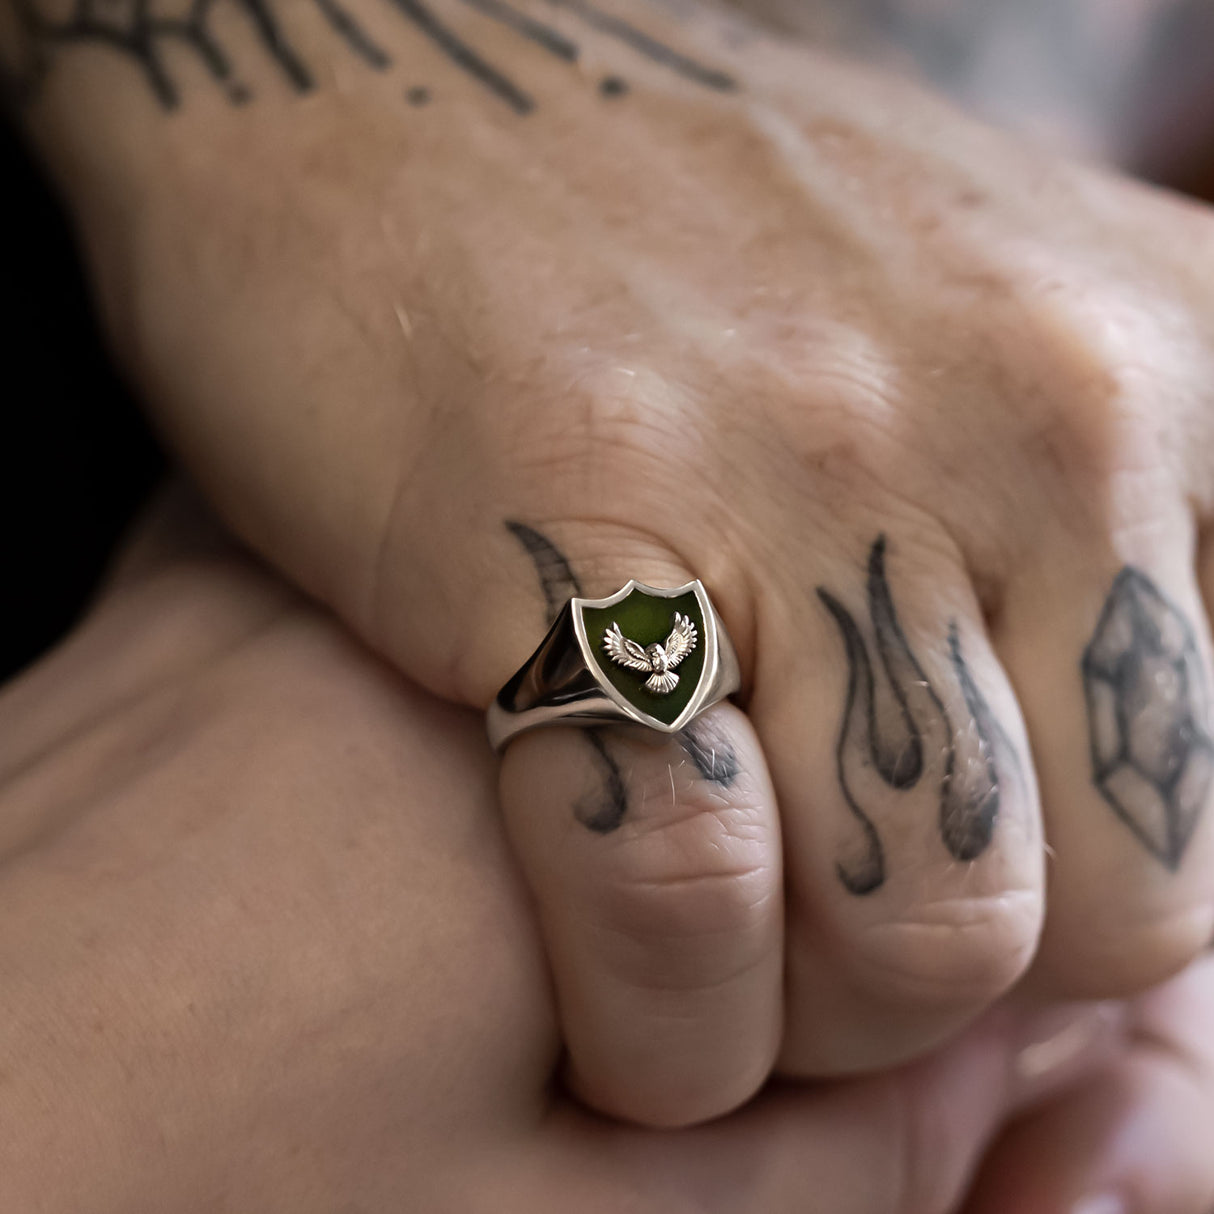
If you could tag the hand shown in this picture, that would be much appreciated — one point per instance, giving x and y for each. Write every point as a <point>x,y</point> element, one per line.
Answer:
<point>927,411</point>
<point>1134,1138</point>
<point>262,948</point>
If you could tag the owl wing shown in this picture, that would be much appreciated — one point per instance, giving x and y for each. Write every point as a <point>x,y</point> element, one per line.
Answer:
<point>627,653</point>
<point>681,641</point>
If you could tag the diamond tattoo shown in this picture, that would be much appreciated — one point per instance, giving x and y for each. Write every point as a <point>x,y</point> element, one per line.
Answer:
<point>1152,753</point>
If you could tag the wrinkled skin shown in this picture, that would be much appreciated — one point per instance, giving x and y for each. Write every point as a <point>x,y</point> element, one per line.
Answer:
<point>737,336</point>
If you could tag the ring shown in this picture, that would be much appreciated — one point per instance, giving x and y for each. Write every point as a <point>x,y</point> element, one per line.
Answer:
<point>653,657</point>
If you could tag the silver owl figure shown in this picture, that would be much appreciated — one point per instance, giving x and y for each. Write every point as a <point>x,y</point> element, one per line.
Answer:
<point>658,661</point>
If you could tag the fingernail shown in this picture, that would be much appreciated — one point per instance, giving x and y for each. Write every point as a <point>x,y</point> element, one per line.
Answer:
<point>1102,1203</point>
<point>1058,1045</point>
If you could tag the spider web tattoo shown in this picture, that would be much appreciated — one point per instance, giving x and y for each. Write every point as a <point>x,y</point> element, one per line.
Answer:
<point>148,32</point>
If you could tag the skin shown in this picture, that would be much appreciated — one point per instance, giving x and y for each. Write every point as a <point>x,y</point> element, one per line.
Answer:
<point>264,948</point>
<point>810,336</point>
<point>1102,1142</point>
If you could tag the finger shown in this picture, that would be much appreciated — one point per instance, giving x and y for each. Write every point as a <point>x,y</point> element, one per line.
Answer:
<point>1133,1140</point>
<point>1108,647</point>
<point>912,839</point>
<point>655,865</point>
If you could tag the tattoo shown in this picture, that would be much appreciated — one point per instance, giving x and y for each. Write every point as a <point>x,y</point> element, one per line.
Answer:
<point>650,47</point>
<point>149,33</point>
<point>898,731</point>
<point>542,35</point>
<point>353,34</point>
<point>463,56</point>
<point>557,580</point>
<point>715,759</point>
<point>147,38</point>
<point>604,812</point>
<point>863,870</point>
<point>970,807</point>
<point>1148,714</point>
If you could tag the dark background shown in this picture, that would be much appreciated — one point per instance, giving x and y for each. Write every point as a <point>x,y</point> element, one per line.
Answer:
<point>77,459</point>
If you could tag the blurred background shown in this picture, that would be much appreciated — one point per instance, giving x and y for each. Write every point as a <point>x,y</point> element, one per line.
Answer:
<point>1130,82</point>
<point>77,459</point>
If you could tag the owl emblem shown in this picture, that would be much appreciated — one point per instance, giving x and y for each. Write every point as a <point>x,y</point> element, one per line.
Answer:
<point>657,661</point>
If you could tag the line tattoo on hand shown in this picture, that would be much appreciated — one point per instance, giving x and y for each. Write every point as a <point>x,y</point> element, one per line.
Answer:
<point>150,33</point>
<point>605,810</point>
<point>557,580</point>
<point>715,759</point>
<point>896,735</point>
<point>1148,716</point>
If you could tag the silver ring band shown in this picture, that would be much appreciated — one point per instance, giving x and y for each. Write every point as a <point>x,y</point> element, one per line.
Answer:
<point>645,655</point>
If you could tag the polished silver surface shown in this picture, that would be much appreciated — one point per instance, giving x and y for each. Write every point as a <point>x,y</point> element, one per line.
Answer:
<point>658,661</point>
<point>563,683</point>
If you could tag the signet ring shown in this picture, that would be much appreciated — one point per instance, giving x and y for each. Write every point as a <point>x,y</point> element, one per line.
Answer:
<point>644,655</point>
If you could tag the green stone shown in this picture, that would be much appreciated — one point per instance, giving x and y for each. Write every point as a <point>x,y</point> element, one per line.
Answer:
<point>647,619</point>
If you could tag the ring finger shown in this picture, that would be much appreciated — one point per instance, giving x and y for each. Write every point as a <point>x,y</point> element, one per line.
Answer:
<point>655,864</point>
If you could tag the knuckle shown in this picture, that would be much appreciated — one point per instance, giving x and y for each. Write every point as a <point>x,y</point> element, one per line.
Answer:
<point>958,952</point>
<point>856,440</point>
<point>1097,366</point>
<point>612,420</point>
<point>701,871</point>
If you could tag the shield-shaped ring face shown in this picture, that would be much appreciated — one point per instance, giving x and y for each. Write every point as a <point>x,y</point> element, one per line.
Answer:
<point>652,651</point>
